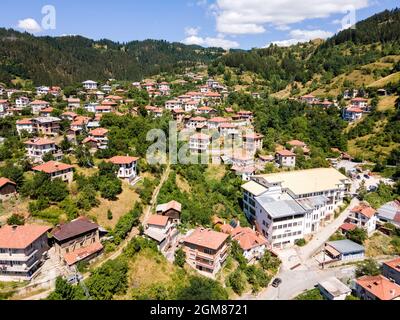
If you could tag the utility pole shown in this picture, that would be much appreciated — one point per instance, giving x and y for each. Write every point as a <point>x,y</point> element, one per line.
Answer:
<point>82,283</point>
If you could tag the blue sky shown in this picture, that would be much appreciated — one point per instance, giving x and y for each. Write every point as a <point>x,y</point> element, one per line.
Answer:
<point>227,23</point>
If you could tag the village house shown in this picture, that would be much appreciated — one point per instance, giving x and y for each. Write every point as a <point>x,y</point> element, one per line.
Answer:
<point>46,112</point>
<point>91,107</point>
<point>178,115</point>
<point>79,123</point>
<point>100,95</point>
<point>69,115</point>
<point>100,135</point>
<point>162,229</point>
<point>127,167</point>
<point>199,143</point>
<point>297,144</point>
<point>172,209</point>
<point>253,142</point>
<point>56,170</point>
<point>37,148</point>
<point>286,159</point>
<point>352,114</point>
<point>106,88</point>
<point>376,288</point>
<point>245,115</point>
<point>22,250</point>
<point>309,98</point>
<point>77,241</point>
<point>172,105</point>
<point>106,107</point>
<point>190,105</point>
<point>73,103</point>
<point>206,250</point>
<point>89,85</point>
<point>196,123</point>
<point>264,159</point>
<point>214,123</point>
<point>38,105</point>
<point>3,107</point>
<point>206,110</point>
<point>391,270</point>
<point>228,129</point>
<point>361,103</point>
<point>250,241</point>
<point>42,90</point>
<point>363,216</point>
<point>289,206</point>
<point>390,213</point>
<point>22,102</point>
<point>25,125</point>
<point>334,289</point>
<point>8,189</point>
<point>48,126</point>
<point>245,172</point>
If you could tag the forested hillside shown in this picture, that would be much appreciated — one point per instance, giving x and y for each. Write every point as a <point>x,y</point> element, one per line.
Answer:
<point>65,60</point>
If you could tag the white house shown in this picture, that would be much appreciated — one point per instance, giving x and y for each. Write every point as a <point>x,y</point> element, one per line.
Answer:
<point>334,289</point>
<point>38,105</point>
<point>22,102</point>
<point>25,125</point>
<point>286,158</point>
<point>89,85</point>
<point>127,167</point>
<point>172,105</point>
<point>199,143</point>
<point>42,91</point>
<point>37,148</point>
<point>163,230</point>
<point>364,217</point>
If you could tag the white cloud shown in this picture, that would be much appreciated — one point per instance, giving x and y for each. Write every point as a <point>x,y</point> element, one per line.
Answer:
<point>194,39</point>
<point>250,16</point>
<point>29,25</point>
<point>298,36</point>
<point>191,31</point>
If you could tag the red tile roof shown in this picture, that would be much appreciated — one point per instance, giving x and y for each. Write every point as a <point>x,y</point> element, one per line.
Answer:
<point>248,238</point>
<point>39,142</point>
<point>364,210</point>
<point>253,136</point>
<point>286,153</point>
<point>394,264</point>
<point>172,205</point>
<point>118,160</point>
<point>25,121</point>
<point>99,132</point>
<point>200,136</point>
<point>380,287</point>
<point>207,238</point>
<point>348,226</point>
<point>296,143</point>
<point>40,102</point>
<point>4,181</point>
<point>52,167</point>
<point>20,237</point>
<point>158,220</point>
<point>82,253</point>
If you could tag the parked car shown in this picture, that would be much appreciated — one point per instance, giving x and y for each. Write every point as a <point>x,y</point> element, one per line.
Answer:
<point>276,283</point>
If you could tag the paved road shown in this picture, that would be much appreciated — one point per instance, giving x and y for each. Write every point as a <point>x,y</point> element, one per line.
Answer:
<point>300,271</point>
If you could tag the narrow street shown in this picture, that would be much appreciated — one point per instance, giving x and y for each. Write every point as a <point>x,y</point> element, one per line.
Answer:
<point>134,232</point>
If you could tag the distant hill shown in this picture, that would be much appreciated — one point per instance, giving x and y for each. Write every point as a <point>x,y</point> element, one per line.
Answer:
<point>65,60</point>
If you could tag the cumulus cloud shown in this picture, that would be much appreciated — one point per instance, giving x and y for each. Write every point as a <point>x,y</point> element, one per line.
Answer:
<point>29,25</point>
<point>211,42</point>
<point>192,31</point>
<point>298,36</point>
<point>250,16</point>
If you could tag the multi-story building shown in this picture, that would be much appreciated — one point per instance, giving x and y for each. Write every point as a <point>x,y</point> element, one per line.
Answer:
<point>25,125</point>
<point>38,105</point>
<point>73,103</point>
<point>100,135</point>
<point>48,126</point>
<point>37,148</point>
<point>377,288</point>
<point>253,142</point>
<point>89,85</point>
<point>163,230</point>
<point>77,241</point>
<point>57,170</point>
<point>206,250</point>
<point>363,216</point>
<point>127,167</point>
<point>21,102</point>
<point>286,159</point>
<point>22,251</point>
<point>199,143</point>
<point>391,270</point>
<point>289,206</point>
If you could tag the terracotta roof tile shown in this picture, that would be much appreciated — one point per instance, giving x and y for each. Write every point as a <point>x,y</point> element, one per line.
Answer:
<point>20,237</point>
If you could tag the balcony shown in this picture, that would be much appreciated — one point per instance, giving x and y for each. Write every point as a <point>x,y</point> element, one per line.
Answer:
<point>20,257</point>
